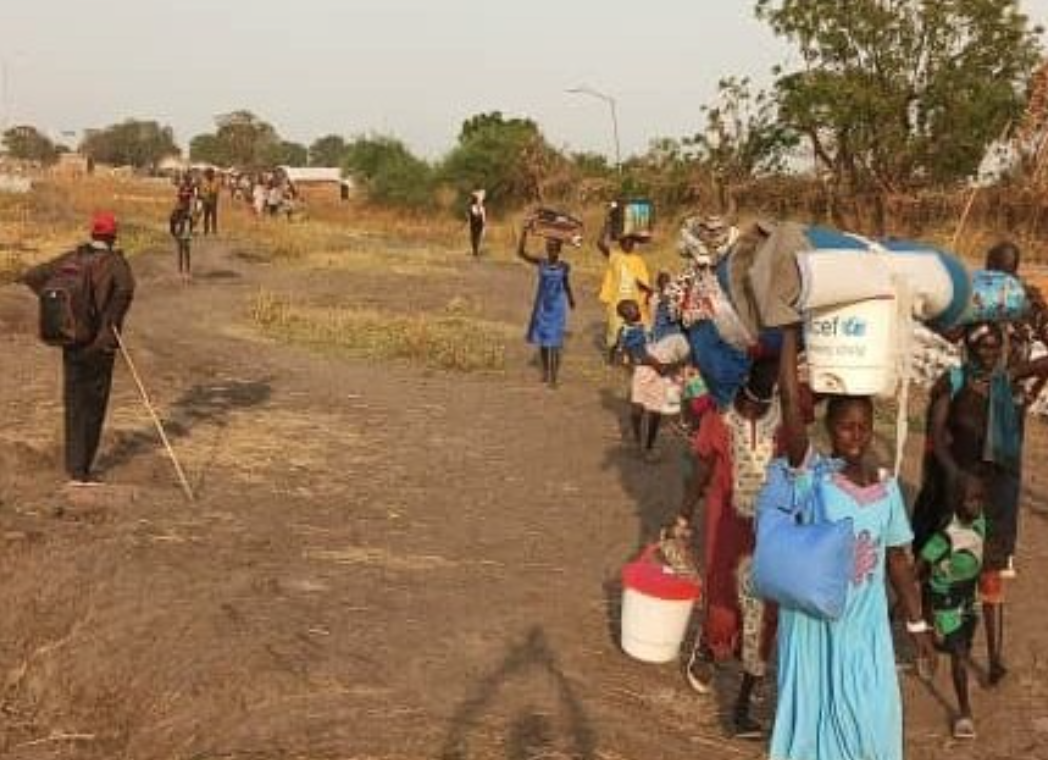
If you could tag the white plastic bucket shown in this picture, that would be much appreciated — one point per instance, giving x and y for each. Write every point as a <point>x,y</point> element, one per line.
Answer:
<point>653,629</point>
<point>656,607</point>
<point>851,348</point>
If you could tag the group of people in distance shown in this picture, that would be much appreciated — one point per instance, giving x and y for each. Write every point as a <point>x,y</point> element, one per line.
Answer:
<point>946,558</point>
<point>269,194</point>
<point>196,200</point>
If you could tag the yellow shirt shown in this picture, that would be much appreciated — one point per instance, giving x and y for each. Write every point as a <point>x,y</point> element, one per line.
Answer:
<point>621,277</point>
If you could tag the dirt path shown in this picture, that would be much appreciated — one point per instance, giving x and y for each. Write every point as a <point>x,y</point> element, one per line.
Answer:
<point>383,563</point>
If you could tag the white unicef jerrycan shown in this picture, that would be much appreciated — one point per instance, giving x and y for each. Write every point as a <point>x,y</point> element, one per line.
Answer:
<point>851,349</point>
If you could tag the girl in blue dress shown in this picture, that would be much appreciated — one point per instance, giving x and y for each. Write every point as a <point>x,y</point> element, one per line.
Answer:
<point>838,689</point>
<point>549,315</point>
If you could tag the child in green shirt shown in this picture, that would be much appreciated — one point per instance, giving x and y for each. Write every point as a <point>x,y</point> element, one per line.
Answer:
<point>950,563</point>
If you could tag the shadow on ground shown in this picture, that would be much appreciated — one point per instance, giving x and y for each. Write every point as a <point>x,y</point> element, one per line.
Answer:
<point>205,403</point>
<point>555,727</point>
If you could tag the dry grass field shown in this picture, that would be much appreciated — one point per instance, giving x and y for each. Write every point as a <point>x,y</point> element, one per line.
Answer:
<point>403,546</point>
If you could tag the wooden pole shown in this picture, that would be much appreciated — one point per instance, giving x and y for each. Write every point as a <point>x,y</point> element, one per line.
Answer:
<point>964,218</point>
<point>971,197</point>
<point>183,481</point>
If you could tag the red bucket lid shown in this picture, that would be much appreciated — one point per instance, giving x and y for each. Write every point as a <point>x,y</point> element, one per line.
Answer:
<point>650,578</point>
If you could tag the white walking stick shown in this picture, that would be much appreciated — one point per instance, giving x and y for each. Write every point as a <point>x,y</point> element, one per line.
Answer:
<point>186,489</point>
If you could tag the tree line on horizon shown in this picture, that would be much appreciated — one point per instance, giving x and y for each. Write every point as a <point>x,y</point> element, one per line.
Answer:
<point>889,96</point>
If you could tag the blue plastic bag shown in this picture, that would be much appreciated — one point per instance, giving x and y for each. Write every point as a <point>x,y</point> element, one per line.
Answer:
<point>802,561</point>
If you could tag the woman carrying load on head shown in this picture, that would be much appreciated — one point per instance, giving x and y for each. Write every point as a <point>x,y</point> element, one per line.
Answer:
<point>721,347</point>
<point>975,432</point>
<point>838,687</point>
<point>625,279</point>
<point>553,298</point>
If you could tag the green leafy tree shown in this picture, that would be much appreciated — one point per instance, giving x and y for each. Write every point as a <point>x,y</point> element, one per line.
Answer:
<point>206,148</point>
<point>389,172</point>
<point>742,138</point>
<point>241,139</point>
<point>141,144</point>
<point>666,173</point>
<point>896,94</point>
<point>286,153</point>
<point>508,157</point>
<point>592,164</point>
<point>329,150</point>
<point>27,143</point>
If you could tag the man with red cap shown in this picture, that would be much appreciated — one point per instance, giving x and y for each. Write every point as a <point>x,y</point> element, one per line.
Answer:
<point>88,364</point>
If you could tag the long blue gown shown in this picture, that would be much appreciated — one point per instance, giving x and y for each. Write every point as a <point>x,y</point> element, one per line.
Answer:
<point>838,688</point>
<point>549,315</point>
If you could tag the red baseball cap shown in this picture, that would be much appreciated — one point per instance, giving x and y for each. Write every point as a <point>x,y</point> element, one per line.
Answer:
<point>103,224</point>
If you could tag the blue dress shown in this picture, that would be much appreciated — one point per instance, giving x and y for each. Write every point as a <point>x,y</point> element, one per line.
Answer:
<point>549,315</point>
<point>838,689</point>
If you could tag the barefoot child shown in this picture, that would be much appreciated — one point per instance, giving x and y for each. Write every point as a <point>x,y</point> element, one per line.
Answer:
<point>950,564</point>
<point>549,315</point>
<point>653,365</point>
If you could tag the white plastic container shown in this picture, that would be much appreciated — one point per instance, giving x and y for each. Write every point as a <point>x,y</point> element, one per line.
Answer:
<point>656,607</point>
<point>851,349</point>
<point>653,629</point>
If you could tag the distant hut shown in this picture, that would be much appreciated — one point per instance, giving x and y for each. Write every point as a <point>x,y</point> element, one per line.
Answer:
<point>318,182</point>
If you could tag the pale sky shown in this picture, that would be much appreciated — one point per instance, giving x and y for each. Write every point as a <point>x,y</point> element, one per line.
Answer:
<point>412,68</point>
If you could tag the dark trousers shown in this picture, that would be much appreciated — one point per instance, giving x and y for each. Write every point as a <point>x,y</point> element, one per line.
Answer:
<point>86,391</point>
<point>476,234</point>
<point>211,217</point>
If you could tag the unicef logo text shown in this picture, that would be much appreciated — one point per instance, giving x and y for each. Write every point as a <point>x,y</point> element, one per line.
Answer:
<point>850,327</point>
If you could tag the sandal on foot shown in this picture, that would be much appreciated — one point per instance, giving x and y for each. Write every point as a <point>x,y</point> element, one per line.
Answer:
<point>700,672</point>
<point>964,728</point>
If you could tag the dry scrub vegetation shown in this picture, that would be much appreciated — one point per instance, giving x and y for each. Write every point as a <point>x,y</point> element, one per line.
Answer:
<point>450,340</point>
<point>53,217</point>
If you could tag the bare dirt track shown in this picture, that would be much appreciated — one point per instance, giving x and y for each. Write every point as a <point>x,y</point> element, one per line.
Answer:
<point>383,562</point>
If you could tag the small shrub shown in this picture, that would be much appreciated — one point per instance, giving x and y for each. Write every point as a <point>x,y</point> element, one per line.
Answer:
<point>448,340</point>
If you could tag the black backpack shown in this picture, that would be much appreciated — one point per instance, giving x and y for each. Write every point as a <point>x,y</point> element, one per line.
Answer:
<point>67,312</point>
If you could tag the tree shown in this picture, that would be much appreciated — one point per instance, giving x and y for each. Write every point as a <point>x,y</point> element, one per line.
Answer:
<point>240,139</point>
<point>742,138</point>
<point>141,144</point>
<point>27,143</point>
<point>508,157</point>
<point>208,149</point>
<point>389,172</point>
<point>896,94</point>
<point>329,150</point>
<point>666,173</point>
<point>286,153</point>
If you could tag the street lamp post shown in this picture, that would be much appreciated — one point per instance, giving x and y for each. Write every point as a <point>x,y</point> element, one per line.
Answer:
<point>613,107</point>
